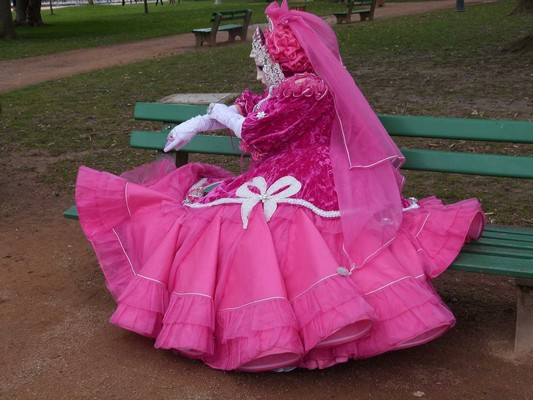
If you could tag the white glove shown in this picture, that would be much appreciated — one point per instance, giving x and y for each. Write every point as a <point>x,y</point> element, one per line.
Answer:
<point>182,134</point>
<point>228,116</point>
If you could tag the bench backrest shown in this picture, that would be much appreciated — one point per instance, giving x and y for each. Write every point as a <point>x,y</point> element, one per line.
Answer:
<point>359,3</point>
<point>463,129</point>
<point>298,7</point>
<point>219,16</point>
<point>171,113</point>
<point>407,126</point>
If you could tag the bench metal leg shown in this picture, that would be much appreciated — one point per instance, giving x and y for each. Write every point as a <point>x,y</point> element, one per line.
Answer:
<point>233,33</point>
<point>343,18</point>
<point>204,37</point>
<point>199,39</point>
<point>524,316</point>
<point>179,158</point>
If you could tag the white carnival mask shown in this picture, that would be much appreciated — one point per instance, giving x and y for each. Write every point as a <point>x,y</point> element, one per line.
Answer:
<point>272,70</point>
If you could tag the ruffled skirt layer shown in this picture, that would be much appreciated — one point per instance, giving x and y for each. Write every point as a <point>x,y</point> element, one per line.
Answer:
<point>271,295</point>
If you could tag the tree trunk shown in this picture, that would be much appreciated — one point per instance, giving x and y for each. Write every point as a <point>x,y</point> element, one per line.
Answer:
<point>7,29</point>
<point>28,13</point>
<point>523,7</point>
<point>524,44</point>
<point>146,6</point>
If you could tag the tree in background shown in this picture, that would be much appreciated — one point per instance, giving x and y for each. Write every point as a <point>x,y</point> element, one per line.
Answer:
<point>28,13</point>
<point>7,29</point>
<point>523,7</point>
<point>524,43</point>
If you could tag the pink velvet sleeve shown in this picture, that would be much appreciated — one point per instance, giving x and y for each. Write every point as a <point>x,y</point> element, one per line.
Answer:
<point>247,101</point>
<point>293,110</point>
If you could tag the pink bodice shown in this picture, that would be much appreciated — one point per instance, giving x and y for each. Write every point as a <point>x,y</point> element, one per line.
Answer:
<point>288,133</point>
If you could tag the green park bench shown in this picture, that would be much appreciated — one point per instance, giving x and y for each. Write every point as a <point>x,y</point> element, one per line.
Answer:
<point>365,9</point>
<point>502,250</point>
<point>240,29</point>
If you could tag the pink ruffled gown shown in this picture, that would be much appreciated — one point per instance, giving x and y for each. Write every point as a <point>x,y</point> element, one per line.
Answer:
<point>249,276</point>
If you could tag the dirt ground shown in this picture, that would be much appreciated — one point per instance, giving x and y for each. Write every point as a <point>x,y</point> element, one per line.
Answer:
<point>57,344</point>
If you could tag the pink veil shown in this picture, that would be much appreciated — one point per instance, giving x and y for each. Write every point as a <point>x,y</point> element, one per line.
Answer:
<point>364,158</point>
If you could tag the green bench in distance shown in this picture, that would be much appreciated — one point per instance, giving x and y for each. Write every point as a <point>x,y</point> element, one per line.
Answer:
<point>240,29</point>
<point>502,250</point>
<point>365,9</point>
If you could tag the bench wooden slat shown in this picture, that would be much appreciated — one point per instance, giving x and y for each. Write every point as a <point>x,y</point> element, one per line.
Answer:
<point>203,30</point>
<point>509,229</point>
<point>228,15</point>
<point>148,140</point>
<point>511,244</point>
<point>396,125</point>
<point>525,237</point>
<point>491,264</point>
<point>477,248</point>
<point>71,213</point>
<point>214,145</point>
<point>201,144</point>
<point>172,113</point>
<point>469,163</point>
<point>458,128</point>
<point>228,27</point>
<point>423,160</point>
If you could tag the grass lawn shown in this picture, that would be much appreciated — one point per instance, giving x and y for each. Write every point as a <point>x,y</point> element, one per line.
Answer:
<point>442,64</point>
<point>88,26</point>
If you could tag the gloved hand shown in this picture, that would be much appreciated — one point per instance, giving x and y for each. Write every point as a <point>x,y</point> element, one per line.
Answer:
<point>182,134</point>
<point>228,116</point>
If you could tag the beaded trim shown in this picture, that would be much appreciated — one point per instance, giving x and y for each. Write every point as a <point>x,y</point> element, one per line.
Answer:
<point>279,192</point>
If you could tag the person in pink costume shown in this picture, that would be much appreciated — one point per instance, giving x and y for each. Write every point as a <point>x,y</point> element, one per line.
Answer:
<point>311,257</point>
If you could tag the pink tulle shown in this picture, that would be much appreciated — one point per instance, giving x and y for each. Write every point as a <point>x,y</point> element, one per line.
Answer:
<point>253,331</point>
<point>329,306</point>
<point>416,311</point>
<point>199,284</point>
<point>364,159</point>
<point>188,325</point>
<point>440,230</point>
<point>141,307</point>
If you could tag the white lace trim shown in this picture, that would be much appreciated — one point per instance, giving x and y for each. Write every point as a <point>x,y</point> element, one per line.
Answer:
<point>279,192</point>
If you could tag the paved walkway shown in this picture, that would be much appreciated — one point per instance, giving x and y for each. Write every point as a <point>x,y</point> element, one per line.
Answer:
<point>28,71</point>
